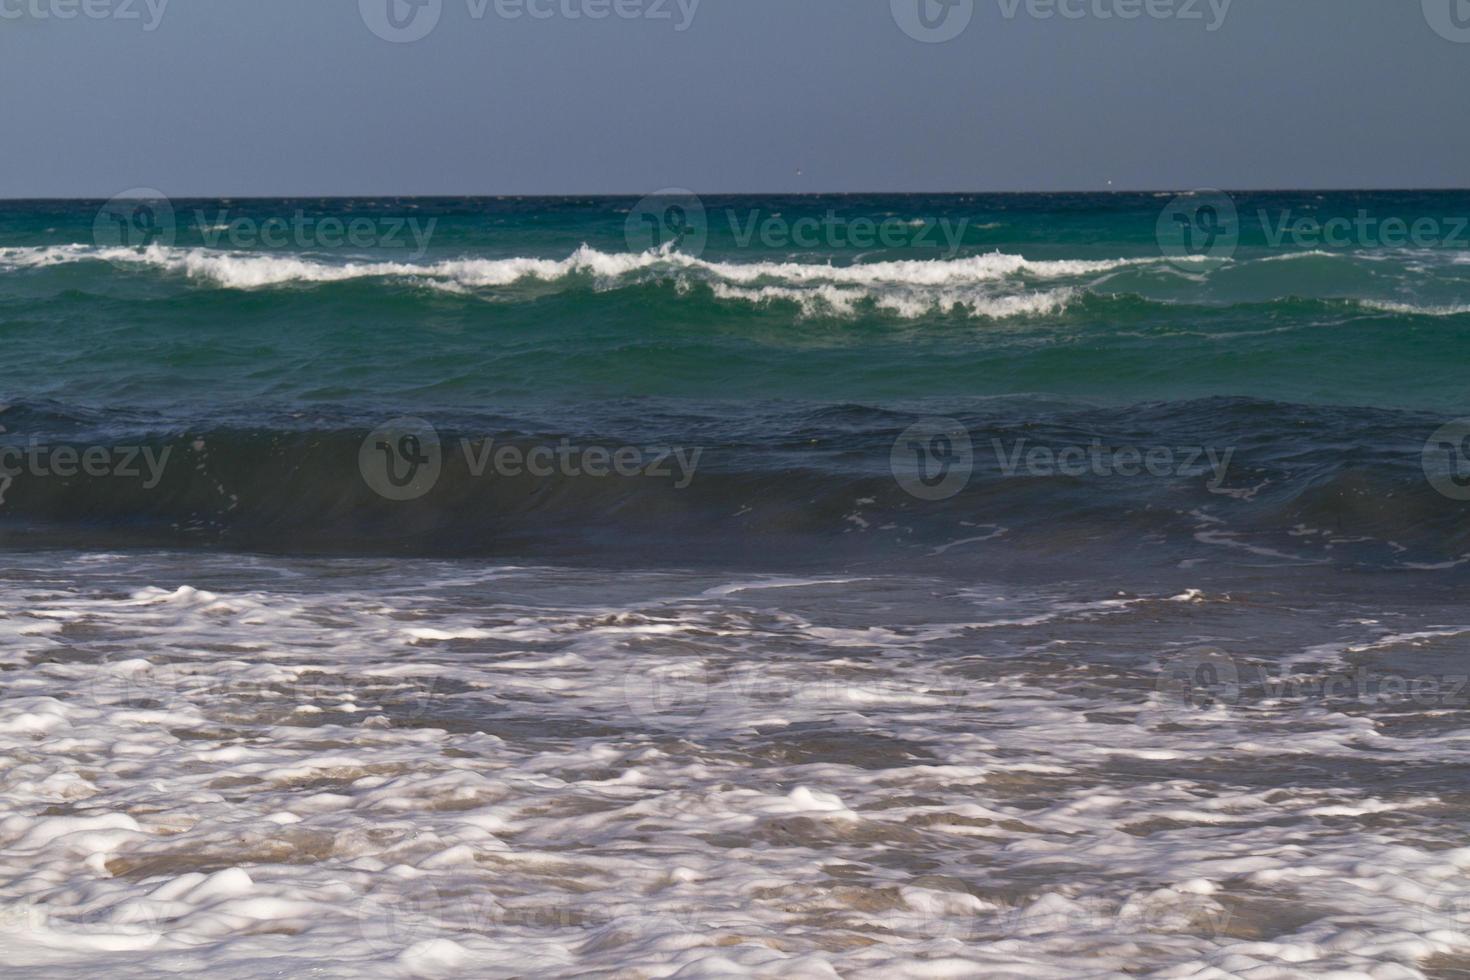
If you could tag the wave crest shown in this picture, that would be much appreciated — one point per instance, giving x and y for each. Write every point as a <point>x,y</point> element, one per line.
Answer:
<point>981,285</point>
<point>995,285</point>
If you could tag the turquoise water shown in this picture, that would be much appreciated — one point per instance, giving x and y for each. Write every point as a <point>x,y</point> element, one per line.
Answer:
<point>791,339</point>
<point>1337,326</point>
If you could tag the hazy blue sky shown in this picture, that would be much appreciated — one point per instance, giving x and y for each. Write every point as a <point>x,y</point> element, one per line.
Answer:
<point>300,97</point>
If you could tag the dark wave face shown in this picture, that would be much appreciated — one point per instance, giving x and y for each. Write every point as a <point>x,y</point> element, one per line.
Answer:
<point>1043,381</point>
<point>1232,481</point>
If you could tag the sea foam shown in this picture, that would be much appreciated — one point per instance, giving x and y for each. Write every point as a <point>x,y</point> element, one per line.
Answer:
<point>982,285</point>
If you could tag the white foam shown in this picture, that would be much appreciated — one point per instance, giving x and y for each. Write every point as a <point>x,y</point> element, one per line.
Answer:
<point>904,302</point>
<point>249,270</point>
<point>682,774</point>
<point>995,285</point>
<point>1312,253</point>
<point>1411,309</point>
<point>907,288</point>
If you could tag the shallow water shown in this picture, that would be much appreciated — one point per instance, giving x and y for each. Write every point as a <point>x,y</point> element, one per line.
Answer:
<point>420,768</point>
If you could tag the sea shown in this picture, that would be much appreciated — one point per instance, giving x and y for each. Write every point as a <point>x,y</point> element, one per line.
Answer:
<point>851,586</point>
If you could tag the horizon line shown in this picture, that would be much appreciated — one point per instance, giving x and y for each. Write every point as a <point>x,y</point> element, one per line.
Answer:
<point>636,195</point>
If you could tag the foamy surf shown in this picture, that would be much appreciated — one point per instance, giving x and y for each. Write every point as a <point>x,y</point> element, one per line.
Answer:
<point>252,269</point>
<point>996,285</point>
<point>1417,309</point>
<point>908,290</point>
<point>413,773</point>
<point>904,302</point>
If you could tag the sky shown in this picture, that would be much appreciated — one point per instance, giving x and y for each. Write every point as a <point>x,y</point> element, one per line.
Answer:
<point>343,97</point>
